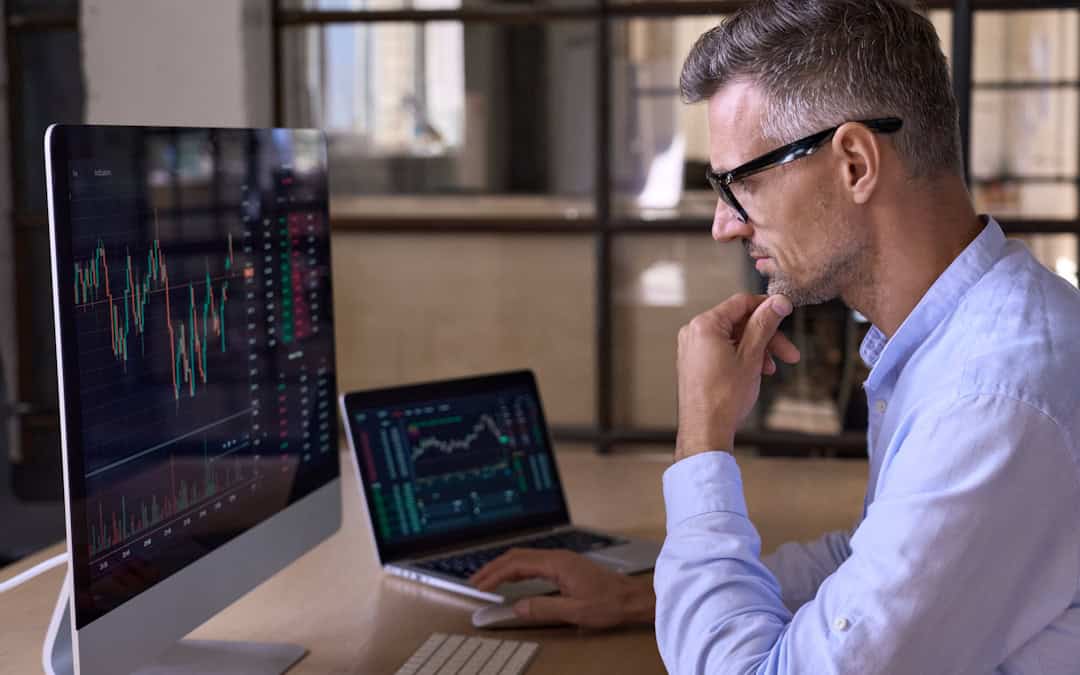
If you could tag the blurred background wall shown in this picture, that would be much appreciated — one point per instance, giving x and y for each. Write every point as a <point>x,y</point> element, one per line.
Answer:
<point>514,184</point>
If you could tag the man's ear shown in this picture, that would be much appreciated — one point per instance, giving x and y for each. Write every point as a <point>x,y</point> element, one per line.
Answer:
<point>859,150</point>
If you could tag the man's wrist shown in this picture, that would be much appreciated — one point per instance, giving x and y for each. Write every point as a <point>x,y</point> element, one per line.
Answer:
<point>639,604</point>
<point>688,446</point>
<point>679,455</point>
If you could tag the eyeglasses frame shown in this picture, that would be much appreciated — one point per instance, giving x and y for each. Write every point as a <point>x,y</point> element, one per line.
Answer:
<point>804,147</point>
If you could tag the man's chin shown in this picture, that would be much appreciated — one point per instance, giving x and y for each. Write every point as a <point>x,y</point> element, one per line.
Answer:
<point>799,297</point>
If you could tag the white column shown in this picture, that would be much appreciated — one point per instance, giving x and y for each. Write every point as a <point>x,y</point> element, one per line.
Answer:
<point>190,63</point>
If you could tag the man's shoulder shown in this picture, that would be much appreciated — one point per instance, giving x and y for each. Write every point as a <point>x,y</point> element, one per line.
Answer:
<point>1017,333</point>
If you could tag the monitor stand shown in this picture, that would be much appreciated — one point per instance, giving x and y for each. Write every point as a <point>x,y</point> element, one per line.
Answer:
<point>210,657</point>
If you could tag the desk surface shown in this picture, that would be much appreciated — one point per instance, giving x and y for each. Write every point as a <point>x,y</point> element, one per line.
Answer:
<point>355,619</point>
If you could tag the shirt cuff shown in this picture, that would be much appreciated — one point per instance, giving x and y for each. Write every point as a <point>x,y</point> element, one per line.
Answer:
<point>704,483</point>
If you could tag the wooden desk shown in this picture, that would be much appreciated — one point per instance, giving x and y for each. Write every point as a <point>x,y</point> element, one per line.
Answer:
<point>355,619</point>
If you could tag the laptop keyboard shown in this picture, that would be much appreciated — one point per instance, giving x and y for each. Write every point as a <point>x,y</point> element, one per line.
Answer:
<point>464,565</point>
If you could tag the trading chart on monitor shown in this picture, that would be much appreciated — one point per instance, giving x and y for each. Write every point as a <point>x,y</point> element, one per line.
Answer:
<point>200,291</point>
<point>445,465</point>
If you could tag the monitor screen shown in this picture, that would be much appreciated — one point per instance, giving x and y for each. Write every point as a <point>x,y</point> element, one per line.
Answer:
<point>193,287</point>
<point>445,461</point>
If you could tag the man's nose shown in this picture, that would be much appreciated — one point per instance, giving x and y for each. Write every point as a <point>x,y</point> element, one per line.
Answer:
<point>727,226</point>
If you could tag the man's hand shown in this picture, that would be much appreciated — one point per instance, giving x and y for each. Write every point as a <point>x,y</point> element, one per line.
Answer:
<point>592,595</point>
<point>722,354</point>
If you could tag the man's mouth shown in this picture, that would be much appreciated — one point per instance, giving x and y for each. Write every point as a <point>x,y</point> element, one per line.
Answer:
<point>760,257</point>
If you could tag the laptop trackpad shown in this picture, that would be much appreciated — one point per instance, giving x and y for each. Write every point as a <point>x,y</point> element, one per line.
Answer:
<point>526,588</point>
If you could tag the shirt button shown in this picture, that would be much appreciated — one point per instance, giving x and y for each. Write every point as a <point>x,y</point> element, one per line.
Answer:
<point>841,624</point>
<point>881,406</point>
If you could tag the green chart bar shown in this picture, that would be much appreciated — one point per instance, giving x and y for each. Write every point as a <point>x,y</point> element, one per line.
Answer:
<point>545,470</point>
<point>399,448</point>
<point>520,471</point>
<point>385,438</point>
<point>380,510</point>
<point>287,327</point>
<point>399,506</point>
<point>410,504</point>
<point>535,473</point>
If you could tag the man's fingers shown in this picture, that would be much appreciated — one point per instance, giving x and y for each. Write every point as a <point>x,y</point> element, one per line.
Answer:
<point>762,326</point>
<point>750,321</point>
<point>784,349</point>
<point>729,316</point>
<point>486,581</point>
<point>768,366</point>
<point>548,608</point>
<point>515,565</point>
<point>732,317</point>
<point>737,309</point>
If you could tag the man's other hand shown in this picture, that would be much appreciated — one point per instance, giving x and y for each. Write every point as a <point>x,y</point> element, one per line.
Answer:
<point>592,595</point>
<point>722,354</point>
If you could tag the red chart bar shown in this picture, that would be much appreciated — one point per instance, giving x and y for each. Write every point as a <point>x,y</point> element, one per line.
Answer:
<point>299,225</point>
<point>365,442</point>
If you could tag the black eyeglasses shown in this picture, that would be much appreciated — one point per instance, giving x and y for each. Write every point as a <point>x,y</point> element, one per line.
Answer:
<point>804,147</point>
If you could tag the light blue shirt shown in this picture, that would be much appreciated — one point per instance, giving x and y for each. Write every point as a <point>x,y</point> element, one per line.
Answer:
<point>967,555</point>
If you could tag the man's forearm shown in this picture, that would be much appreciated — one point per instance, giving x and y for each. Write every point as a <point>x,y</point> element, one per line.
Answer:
<point>800,567</point>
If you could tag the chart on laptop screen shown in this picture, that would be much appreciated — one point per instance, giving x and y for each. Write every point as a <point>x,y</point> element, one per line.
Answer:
<point>444,465</point>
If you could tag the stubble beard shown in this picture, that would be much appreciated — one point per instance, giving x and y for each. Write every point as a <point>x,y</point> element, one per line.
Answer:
<point>827,284</point>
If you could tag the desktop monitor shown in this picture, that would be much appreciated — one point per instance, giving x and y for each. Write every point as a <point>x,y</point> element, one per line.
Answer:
<point>195,354</point>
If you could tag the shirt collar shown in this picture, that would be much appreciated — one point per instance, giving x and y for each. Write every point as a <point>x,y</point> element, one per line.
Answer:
<point>885,355</point>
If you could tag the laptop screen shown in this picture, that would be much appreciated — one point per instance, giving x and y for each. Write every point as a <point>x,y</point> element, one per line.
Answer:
<point>449,463</point>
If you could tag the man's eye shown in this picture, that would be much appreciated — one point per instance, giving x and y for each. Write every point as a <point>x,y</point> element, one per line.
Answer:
<point>743,187</point>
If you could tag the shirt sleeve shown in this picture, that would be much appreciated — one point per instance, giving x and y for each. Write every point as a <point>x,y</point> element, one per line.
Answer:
<point>969,549</point>
<point>800,567</point>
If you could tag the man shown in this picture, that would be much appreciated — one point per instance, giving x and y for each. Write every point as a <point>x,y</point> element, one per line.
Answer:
<point>967,558</point>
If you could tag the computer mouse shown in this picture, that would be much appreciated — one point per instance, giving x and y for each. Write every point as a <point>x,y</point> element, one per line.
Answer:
<point>502,616</point>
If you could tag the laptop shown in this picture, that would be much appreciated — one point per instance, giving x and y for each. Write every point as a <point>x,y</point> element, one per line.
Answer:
<point>455,473</point>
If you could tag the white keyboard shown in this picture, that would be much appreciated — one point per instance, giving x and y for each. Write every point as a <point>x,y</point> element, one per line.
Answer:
<point>444,654</point>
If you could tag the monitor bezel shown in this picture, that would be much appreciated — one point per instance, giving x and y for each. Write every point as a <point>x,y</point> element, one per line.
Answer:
<point>56,146</point>
<point>274,542</point>
<point>425,391</point>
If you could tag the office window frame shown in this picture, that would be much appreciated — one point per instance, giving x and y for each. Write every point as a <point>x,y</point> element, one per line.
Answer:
<point>604,224</point>
<point>36,476</point>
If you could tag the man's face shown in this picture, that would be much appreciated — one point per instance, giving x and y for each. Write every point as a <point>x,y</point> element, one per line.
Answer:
<point>801,230</point>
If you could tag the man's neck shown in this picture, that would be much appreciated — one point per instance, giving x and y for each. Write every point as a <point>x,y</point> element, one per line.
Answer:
<point>916,241</point>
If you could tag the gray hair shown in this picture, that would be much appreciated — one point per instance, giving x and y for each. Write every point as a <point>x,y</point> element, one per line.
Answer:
<point>824,62</point>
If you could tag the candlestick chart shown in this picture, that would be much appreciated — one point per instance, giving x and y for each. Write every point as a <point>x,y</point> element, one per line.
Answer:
<point>193,298</point>
<point>163,379</point>
<point>191,333</point>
